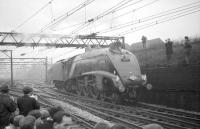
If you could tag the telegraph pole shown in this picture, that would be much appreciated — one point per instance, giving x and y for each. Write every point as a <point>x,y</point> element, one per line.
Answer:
<point>46,67</point>
<point>11,67</point>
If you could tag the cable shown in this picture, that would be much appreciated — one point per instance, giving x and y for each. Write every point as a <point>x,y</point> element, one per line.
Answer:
<point>105,13</point>
<point>135,9</point>
<point>157,22</point>
<point>70,26</point>
<point>128,5</point>
<point>82,24</point>
<point>162,14</point>
<point>111,10</point>
<point>51,9</point>
<point>20,25</point>
<point>131,11</point>
<point>64,16</point>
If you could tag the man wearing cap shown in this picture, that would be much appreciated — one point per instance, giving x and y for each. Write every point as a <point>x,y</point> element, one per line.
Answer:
<point>7,106</point>
<point>63,120</point>
<point>27,122</point>
<point>27,103</point>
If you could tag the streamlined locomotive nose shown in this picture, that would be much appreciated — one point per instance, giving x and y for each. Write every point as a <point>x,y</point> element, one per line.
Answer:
<point>140,80</point>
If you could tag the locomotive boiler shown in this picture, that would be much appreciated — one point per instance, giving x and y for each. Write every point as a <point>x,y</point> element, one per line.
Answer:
<point>111,74</point>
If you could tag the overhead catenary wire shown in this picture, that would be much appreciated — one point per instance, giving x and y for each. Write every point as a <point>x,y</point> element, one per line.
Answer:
<point>123,7</point>
<point>162,14</point>
<point>105,13</point>
<point>110,10</point>
<point>134,10</point>
<point>34,14</point>
<point>51,9</point>
<point>59,19</point>
<point>81,24</point>
<point>149,18</point>
<point>157,22</point>
<point>69,26</point>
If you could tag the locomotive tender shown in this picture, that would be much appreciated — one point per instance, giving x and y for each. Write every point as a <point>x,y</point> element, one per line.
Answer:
<point>100,73</point>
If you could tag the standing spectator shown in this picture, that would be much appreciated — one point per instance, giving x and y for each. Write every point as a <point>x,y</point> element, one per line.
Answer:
<point>11,123</point>
<point>27,103</point>
<point>64,120</point>
<point>27,122</point>
<point>53,110</point>
<point>101,125</point>
<point>188,48</point>
<point>144,41</point>
<point>35,113</point>
<point>169,49</point>
<point>118,126</point>
<point>7,106</point>
<point>44,122</point>
<point>153,126</point>
<point>14,122</point>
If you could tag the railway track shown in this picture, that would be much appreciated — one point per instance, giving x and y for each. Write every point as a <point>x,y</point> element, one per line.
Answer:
<point>193,116</point>
<point>139,115</point>
<point>45,103</point>
<point>65,98</point>
<point>157,108</point>
<point>136,114</point>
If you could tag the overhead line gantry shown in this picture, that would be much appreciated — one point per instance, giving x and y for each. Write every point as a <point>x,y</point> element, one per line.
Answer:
<point>56,40</point>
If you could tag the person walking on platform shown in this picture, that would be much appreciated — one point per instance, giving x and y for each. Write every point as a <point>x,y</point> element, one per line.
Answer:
<point>27,103</point>
<point>7,106</point>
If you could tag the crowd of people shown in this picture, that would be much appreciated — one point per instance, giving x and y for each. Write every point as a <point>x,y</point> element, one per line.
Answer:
<point>187,49</point>
<point>25,113</point>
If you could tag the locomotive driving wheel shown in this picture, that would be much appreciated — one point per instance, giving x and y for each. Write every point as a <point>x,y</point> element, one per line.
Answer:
<point>94,92</point>
<point>81,91</point>
<point>78,91</point>
<point>102,96</point>
<point>115,98</point>
<point>85,91</point>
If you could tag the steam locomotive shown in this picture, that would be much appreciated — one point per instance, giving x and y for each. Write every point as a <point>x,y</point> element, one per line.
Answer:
<point>111,74</point>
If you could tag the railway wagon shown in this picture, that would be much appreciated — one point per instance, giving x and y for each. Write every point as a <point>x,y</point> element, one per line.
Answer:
<point>111,74</point>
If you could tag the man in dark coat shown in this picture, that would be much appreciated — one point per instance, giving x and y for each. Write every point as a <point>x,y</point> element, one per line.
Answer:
<point>7,106</point>
<point>144,41</point>
<point>27,103</point>
<point>169,49</point>
<point>188,49</point>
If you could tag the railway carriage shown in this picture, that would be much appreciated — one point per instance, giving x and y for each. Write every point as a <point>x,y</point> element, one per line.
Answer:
<point>111,74</point>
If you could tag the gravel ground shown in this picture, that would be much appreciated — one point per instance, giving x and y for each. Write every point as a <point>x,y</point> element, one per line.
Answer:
<point>74,110</point>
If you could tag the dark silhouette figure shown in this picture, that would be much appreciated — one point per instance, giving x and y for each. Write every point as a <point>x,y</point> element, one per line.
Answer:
<point>27,103</point>
<point>188,48</point>
<point>144,41</point>
<point>27,122</point>
<point>169,49</point>
<point>7,106</point>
